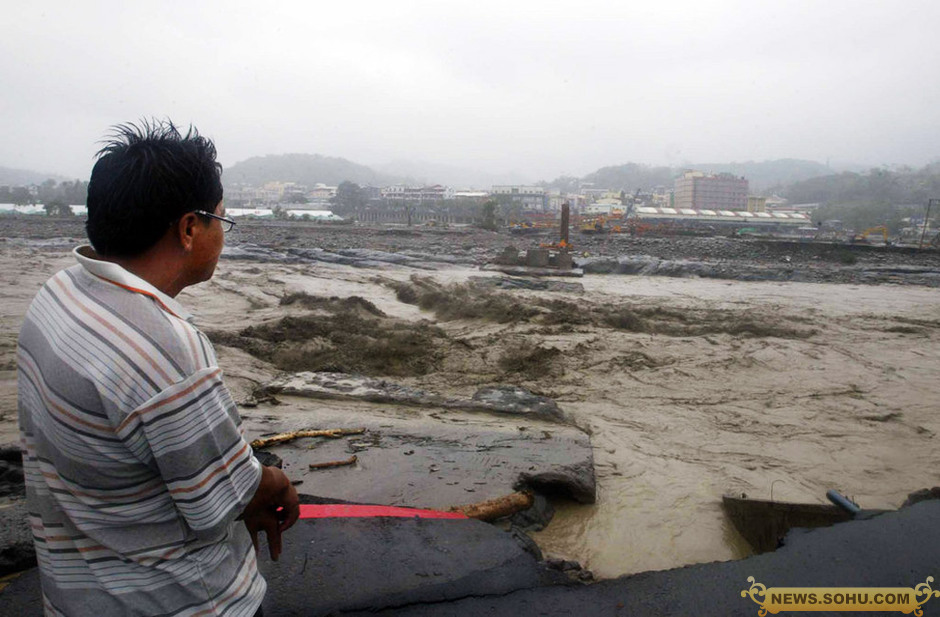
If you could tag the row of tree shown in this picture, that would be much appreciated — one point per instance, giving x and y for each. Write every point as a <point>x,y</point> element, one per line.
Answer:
<point>49,192</point>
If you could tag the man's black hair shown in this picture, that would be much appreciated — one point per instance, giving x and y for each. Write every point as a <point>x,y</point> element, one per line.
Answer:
<point>147,176</point>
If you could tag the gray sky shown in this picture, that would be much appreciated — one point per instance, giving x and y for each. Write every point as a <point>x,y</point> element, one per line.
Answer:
<point>540,88</point>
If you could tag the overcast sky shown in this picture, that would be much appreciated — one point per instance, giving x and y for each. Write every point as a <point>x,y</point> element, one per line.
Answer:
<point>541,88</point>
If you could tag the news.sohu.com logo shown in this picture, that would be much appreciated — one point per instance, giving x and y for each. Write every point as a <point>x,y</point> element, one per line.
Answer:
<point>900,599</point>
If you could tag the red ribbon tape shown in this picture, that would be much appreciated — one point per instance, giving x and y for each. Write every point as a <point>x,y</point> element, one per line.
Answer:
<point>352,511</point>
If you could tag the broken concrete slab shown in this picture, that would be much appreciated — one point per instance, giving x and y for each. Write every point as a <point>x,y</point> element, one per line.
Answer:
<point>369,564</point>
<point>428,457</point>
<point>328,385</point>
<point>896,549</point>
<point>338,565</point>
<point>513,399</point>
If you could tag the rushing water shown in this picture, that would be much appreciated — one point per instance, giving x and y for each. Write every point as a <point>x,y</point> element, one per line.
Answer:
<point>850,408</point>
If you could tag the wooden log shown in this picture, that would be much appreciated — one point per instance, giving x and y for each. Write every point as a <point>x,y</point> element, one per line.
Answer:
<point>330,464</point>
<point>334,433</point>
<point>492,509</point>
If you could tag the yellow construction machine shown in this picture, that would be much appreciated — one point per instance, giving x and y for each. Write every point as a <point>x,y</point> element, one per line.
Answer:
<point>862,238</point>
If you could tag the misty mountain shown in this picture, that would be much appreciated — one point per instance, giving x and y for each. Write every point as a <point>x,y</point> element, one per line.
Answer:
<point>23,177</point>
<point>458,177</point>
<point>877,186</point>
<point>631,176</point>
<point>305,169</point>
<point>762,175</point>
<point>768,174</point>
<point>309,169</point>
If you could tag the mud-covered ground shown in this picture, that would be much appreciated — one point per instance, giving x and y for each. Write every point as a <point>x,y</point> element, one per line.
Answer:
<point>719,257</point>
<point>690,387</point>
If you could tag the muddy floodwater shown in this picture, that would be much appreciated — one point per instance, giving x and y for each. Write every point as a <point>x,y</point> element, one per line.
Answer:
<point>689,388</point>
<point>852,407</point>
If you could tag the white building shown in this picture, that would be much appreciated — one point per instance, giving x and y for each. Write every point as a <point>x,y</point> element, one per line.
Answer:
<point>418,194</point>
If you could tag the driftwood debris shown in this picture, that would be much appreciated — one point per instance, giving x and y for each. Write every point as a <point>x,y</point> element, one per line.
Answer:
<point>492,509</point>
<point>330,464</point>
<point>333,433</point>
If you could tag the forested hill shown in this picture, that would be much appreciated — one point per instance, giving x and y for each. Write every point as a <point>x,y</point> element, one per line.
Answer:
<point>901,186</point>
<point>878,197</point>
<point>762,175</point>
<point>305,169</point>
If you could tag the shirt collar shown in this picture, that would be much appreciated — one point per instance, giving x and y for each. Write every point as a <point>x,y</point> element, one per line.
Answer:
<point>116,275</point>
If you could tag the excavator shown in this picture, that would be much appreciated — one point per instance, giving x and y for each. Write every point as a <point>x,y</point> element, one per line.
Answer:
<point>862,238</point>
<point>594,225</point>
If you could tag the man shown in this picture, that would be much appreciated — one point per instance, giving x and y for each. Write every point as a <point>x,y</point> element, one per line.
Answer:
<point>143,496</point>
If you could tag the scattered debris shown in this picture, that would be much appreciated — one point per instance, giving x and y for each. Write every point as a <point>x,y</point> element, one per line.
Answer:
<point>492,509</point>
<point>334,433</point>
<point>330,464</point>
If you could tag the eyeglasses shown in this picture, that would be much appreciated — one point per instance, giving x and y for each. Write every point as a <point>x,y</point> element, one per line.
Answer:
<point>227,223</point>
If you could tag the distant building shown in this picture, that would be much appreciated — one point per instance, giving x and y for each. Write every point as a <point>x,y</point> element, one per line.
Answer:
<point>284,191</point>
<point>321,193</point>
<point>417,194</point>
<point>696,190</point>
<point>372,193</point>
<point>756,203</point>
<point>529,197</point>
<point>473,196</point>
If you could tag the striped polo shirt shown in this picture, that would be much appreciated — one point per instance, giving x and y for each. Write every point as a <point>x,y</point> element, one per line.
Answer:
<point>136,466</point>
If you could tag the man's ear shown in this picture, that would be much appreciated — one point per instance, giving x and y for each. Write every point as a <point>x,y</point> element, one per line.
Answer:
<point>186,230</point>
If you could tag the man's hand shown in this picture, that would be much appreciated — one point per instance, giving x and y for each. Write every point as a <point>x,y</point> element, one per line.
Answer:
<point>273,509</point>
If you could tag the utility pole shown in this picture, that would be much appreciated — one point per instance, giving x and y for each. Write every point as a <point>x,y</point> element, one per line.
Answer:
<point>926,221</point>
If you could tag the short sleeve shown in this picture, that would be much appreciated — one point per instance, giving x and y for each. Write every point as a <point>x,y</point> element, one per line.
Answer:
<point>190,434</point>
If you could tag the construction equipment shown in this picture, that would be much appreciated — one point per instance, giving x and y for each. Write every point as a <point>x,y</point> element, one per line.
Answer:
<point>862,238</point>
<point>593,225</point>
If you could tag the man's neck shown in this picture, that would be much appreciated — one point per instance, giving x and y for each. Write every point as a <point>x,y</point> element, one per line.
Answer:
<point>155,267</point>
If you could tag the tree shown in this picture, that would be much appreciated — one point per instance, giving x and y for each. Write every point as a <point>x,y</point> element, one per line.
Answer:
<point>75,192</point>
<point>349,196</point>
<point>488,215</point>
<point>57,207</point>
<point>47,191</point>
<point>20,196</point>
